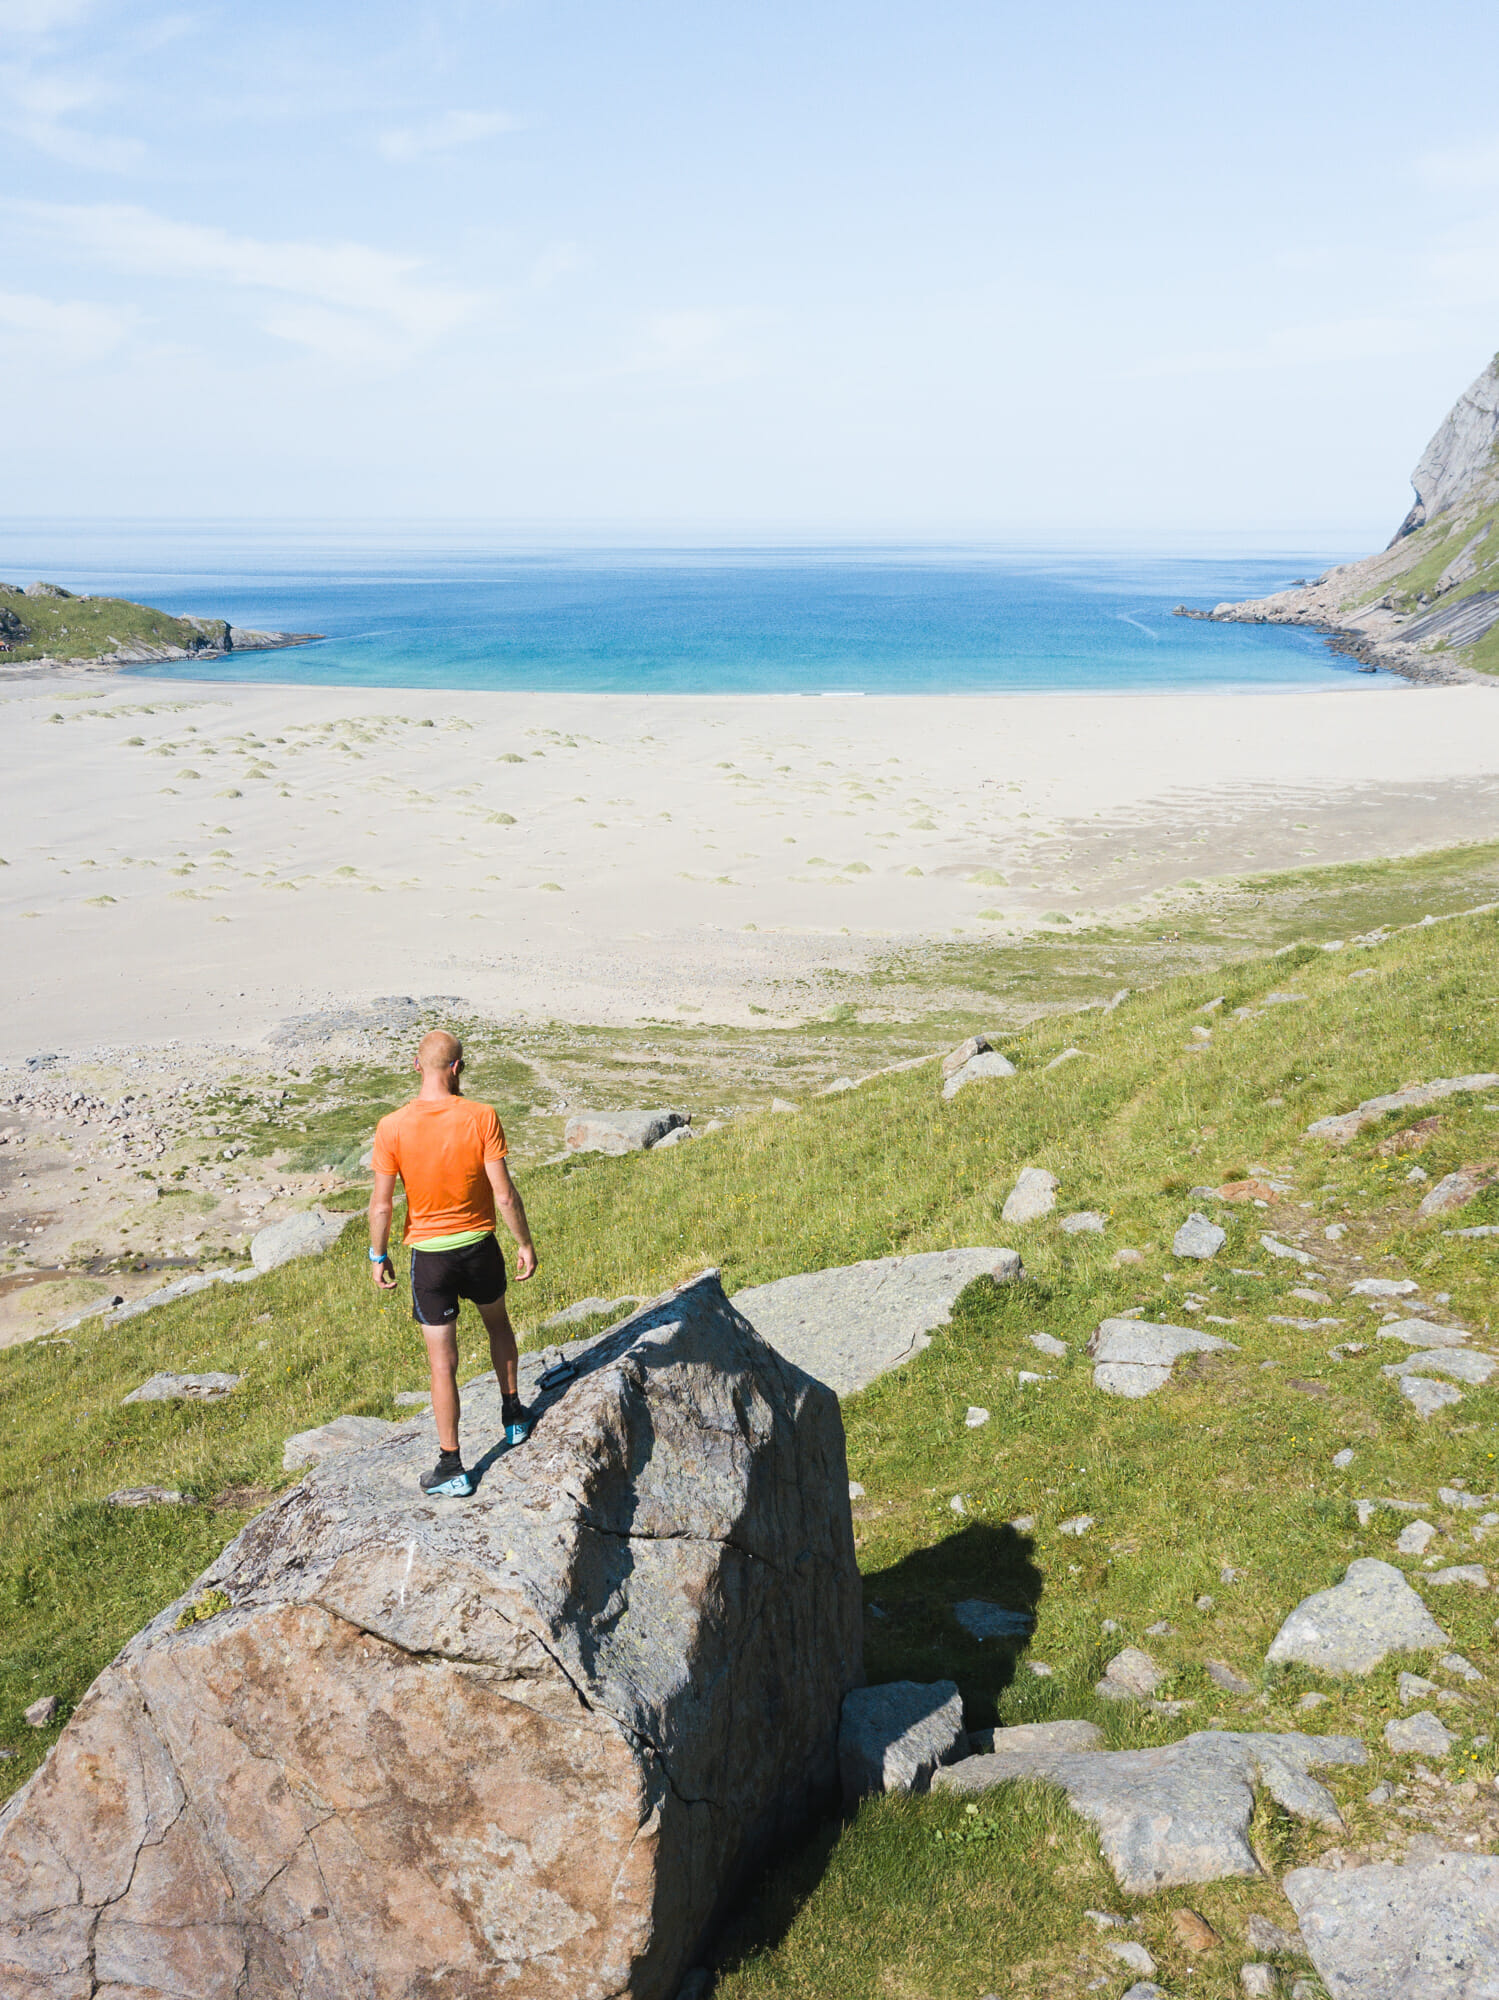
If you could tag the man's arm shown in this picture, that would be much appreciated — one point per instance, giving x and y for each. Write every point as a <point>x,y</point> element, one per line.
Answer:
<point>382,1207</point>
<point>507,1200</point>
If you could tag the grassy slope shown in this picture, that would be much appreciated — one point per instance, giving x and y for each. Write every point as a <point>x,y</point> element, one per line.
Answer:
<point>83,628</point>
<point>1230,1467</point>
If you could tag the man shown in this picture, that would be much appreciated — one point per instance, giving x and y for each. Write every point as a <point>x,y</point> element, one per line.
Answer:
<point>451,1155</point>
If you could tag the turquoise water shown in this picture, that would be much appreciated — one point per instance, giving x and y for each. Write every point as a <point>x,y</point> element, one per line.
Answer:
<point>431,610</point>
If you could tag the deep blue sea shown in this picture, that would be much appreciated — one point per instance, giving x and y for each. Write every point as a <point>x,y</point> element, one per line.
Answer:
<point>459,608</point>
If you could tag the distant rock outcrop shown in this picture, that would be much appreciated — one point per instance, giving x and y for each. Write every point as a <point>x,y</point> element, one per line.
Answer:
<point>1427,606</point>
<point>525,1743</point>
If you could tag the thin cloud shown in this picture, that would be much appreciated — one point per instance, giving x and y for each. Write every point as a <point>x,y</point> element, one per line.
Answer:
<point>1462,169</point>
<point>74,330</point>
<point>443,134</point>
<point>347,298</point>
<point>32,19</point>
<point>1297,347</point>
<point>38,111</point>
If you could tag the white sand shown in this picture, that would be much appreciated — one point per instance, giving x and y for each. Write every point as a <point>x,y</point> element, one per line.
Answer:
<point>267,850</point>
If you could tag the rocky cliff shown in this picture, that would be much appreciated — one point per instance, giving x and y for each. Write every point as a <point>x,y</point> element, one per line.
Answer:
<point>47,625</point>
<point>1426,606</point>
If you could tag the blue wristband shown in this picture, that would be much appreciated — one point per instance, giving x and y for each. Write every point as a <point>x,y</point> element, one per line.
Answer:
<point>379,1256</point>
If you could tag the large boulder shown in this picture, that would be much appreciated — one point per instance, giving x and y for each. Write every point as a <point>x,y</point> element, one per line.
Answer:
<point>1351,1627</point>
<point>306,1234</point>
<point>526,1743</point>
<point>620,1131</point>
<point>1428,1927</point>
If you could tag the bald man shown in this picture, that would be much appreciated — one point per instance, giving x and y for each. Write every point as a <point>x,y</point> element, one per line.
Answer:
<point>450,1154</point>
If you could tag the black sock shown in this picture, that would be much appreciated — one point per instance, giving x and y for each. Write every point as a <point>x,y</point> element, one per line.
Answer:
<point>511,1406</point>
<point>449,1461</point>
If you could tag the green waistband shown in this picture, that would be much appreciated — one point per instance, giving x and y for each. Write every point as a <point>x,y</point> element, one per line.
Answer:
<point>460,1241</point>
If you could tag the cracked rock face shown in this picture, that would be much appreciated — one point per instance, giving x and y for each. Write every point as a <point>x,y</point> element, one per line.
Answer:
<point>473,1747</point>
<point>1395,1931</point>
<point>1181,1814</point>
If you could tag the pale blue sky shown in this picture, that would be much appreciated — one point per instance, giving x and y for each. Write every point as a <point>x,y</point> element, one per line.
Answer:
<point>1081,274</point>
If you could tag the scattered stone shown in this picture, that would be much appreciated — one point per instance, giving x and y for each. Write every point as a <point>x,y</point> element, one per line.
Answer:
<point>1204,1603</point>
<point>412,1399</point>
<point>1423,1333</point>
<point>958,1504</point>
<point>1284,1250</point>
<point>1456,1664</point>
<point>41,1712</point>
<point>677,1136</point>
<point>1348,1124</point>
<point>1367,1509</point>
<point>1416,1175</point>
<point>893,1737</point>
<point>1023,1523</point>
<point>1458,1363</point>
<point>1425,1930</point>
<point>976,1417</point>
<point>1383,1288</point>
<point>1036,1736</point>
<point>1195,1933</point>
<point>1105,1920</point>
<point>1259,1981</point>
<point>1162,1629</point>
<point>1480,1229</point>
<point>1470,1573</point>
<point>167,1388</point>
<point>1473,1503</point>
<point>148,1496</point>
<point>591,1308</point>
<point>1414,1687</point>
<point>1131,1953</point>
<point>620,1131</point>
<point>346,1433</point>
<point>1381,1794</point>
<point>1065,1056</point>
<point>1033,1195</point>
<point>1128,1256</point>
<point>976,1045</point>
<point>1199,1238</point>
<point>1412,1539</point>
<point>1048,1343</point>
<point>1428,1396</point>
<point>982,1620</point>
<point>1455,1190</point>
<point>1310,1701</point>
<point>1351,1627</point>
<point>1344,1458</point>
<point>1223,1676</point>
<point>307,1234</point>
<point>1251,1190</point>
<point>1084,1222</point>
<point>1228,1574</point>
<point>1145,1989</point>
<point>855,1490</point>
<point>1130,1676</point>
<point>1026,1376</point>
<point>523,1682</point>
<point>1180,1814</point>
<point>1134,1357</point>
<point>976,1070</point>
<point>1262,1935</point>
<point>851,1323</point>
<point>1079,1524</point>
<point>1040,1669</point>
<point>1418,1735</point>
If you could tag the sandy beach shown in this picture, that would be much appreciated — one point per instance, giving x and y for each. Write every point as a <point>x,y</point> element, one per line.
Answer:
<point>190,860</point>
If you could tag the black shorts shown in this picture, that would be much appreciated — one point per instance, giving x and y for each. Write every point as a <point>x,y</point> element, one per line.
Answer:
<point>440,1278</point>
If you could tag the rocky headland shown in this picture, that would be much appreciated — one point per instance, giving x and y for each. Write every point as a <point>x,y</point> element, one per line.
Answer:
<point>44,626</point>
<point>1427,606</point>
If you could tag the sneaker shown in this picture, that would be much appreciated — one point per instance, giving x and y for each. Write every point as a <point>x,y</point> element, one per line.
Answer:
<point>517,1424</point>
<point>447,1481</point>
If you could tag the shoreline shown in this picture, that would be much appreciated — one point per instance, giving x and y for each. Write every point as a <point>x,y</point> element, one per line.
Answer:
<point>1386,655</point>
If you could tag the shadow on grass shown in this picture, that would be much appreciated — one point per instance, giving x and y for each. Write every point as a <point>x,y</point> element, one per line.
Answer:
<point>912,1634</point>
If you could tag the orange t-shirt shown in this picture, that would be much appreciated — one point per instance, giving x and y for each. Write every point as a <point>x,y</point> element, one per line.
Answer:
<point>439,1146</point>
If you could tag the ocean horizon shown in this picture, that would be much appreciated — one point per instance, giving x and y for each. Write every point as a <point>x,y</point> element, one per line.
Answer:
<point>458,610</point>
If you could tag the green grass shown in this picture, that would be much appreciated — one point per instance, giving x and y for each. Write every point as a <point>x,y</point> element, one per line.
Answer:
<point>83,628</point>
<point>1228,1469</point>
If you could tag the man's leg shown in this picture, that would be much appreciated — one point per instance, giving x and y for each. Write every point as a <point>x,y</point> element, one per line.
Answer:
<point>502,1354</point>
<point>442,1354</point>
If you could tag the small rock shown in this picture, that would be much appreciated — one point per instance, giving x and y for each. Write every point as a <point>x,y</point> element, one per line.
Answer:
<point>1199,1238</point>
<point>167,1388</point>
<point>148,1496</point>
<point>892,1738</point>
<point>855,1490</point>
<point>1228,1574</point>
<point>1033,1195</point>
<point>1022,1524</point>
<point>1418,1735</point>
<point>1456,1664</point>
<point>1048,1343</point>
<point>977,1070</point>
<point>1380,1794</point>
<point>1065,1056</point>
<point>1223,1676</point>
<point>675,1137</point>
<point>1262,1935</point>
<point>1130,1676</point>
<point>618,1132</point>
<point>1105,1920</point>
<point>1129,1953</point>
<point>1162,1629</point>
<point>1079,1524</point>
<point>1413,1538</point>
<point>1470,1573</point>
<point>1427,1395</point>
<point>1026,1375</point>
<point>1414,1687</point>
<point>958,1504</point>
<point>1455,1190</point>
<point>982,1620</point>
<point>1112,1625</point>
<point>1279,1249</point>
<point>1458,1364</point>
<point>1040,1669</point>
<point>1417,1174</point>
<point>1344,1458</point>
<point>1423,1333</point>
<point>976,1045</point>
<point>1128,1256</point>
<point>784,1108</point>
<point>1203,1603</point>
<point>1383,1288</point>
<point>42,1711</point>
<point>1144,1989</point>
<point>1135,1357</point>
<point>1335,1232</point>
<point>1351,1627</point>
<point>1259,1981</point>
<point>975,1417</point>
<point>1084,1222</point>
<point>1310,1701</point>
<point>1195,1932</point>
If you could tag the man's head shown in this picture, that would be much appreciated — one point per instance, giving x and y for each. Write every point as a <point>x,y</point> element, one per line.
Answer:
<point>439,1053</point>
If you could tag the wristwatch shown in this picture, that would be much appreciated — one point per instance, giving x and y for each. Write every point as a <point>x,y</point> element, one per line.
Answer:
<point>379,1256</point>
